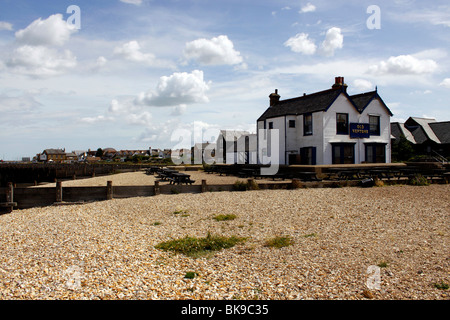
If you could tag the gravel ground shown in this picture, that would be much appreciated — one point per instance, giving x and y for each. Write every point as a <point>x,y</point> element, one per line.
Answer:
<point>105,250</point>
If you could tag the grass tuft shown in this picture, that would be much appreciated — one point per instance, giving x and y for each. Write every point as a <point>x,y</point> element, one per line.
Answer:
<point>279,242</point>
<point>225,217</point>
<point>193,247</point>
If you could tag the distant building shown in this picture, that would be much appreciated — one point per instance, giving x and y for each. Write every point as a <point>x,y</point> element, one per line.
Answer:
<point>53,155</point>
<point>427,136</point>
<point>203,153</point>
<point>326,127</point>
<point>236,147</point>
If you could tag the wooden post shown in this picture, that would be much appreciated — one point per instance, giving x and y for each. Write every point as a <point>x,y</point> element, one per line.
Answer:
<point>59,191</point>
<point>157,190</point>
<point>10,197</point>
<point>109,191</point>
<point>204,186</point>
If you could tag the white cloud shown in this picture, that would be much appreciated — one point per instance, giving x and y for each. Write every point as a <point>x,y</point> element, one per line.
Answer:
<point>51,31</point>
<point>178,110</point>
<point>333,40</point>
<point>144,118</point>
<point>177,89</point>
<point>445,83</point>
<point>132,51</point>
<point>362,84</point>
<point>217,51</point>
<point>404,65</point>
<point>309,7</point>
<point>95,120</point>
<point>135,2</point>
<point>40,61</point>
<point>301,44</point>
<point>5,26</point>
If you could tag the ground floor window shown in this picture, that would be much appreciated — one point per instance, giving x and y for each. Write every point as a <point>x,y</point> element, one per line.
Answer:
<point>308,155</point>
<point>343,153</point>
<point>375,152</point>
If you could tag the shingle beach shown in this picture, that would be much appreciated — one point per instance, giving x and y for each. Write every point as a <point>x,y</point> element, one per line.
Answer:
<point>106,250</point>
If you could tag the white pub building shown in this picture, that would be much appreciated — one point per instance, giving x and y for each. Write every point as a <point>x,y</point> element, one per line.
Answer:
<point>327,127</point>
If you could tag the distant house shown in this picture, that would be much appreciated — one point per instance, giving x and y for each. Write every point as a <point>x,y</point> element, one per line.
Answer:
<point>236,147</point>
<point>109,153</point>
<point>71,157</point>
<point>54,155</point>
<point>203,152</point>
<point>427,136</point>
<point>326,127</point>
<point>81,155</point>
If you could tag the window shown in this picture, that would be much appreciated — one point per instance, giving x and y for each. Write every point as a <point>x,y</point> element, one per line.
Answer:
<point>291,123</point>
<point>307,125</point>
<point>308,155</point>
<point>374,122</point>
<point>343,153</point>
<point>341,123</point>
<point>270,125</point>
<point>375,153</point>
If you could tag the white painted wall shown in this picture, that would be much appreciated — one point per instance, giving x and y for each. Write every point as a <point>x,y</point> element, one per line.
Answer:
<point>324,131</point>
<point>376,108</point>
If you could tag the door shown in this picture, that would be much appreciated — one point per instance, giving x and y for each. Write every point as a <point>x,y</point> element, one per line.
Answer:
<point>343,153</point>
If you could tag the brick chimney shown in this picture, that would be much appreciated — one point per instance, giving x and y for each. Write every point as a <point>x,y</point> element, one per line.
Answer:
<point>339,83</point>
<point>274,98</point>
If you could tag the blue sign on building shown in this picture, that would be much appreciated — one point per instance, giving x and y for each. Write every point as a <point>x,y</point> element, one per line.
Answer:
<point>359,130</point>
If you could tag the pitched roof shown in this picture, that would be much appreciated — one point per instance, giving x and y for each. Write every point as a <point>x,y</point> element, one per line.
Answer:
<point>442,131</point>
<point>398,129</point>
<point>362,100</point>
<point>423,123</point>
<point>54,151</point>
<point>319,101</point>
<point>230,135</point>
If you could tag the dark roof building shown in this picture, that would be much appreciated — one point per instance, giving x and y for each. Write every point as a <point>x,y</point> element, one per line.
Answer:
<point>427,135</point>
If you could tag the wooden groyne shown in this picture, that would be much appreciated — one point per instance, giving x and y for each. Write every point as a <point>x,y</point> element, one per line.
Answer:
<point>38,173</point>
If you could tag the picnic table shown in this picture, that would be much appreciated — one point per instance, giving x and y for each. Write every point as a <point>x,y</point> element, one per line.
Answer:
<point>166,174</point>
<point>180,178</point>
<point>152,170</point>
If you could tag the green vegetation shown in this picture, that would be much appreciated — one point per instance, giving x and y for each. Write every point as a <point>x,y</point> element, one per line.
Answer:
<point>279,242</point>
<point>383,264</point>
<point>225,217</point>
<point>193,247</point>
<point>190,275</point>
<point>418,180</point>
<point>244,186</point>
<point>310,235</point>
<point>441,286</point>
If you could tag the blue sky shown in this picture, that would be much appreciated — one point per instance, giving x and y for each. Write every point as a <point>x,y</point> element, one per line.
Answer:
<point>139,74</point>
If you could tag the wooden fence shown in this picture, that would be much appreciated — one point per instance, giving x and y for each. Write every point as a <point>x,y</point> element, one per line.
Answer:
<point>49,172</point>
<point>24,198</point>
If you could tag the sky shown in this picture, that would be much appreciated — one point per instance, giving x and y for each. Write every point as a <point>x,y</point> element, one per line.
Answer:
<point>135,74</point>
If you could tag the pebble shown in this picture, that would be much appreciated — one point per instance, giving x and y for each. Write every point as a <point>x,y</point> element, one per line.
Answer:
<point>105,250</point>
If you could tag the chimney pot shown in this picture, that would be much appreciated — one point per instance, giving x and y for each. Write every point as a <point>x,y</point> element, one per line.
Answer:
<point>274,98</point>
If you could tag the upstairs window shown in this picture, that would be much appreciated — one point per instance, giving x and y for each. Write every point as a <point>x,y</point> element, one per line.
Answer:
<point>307,125</point>
<point>270,125</point>
<point>342,123</point>
<point>291,123</point>
<point>374,122</point>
